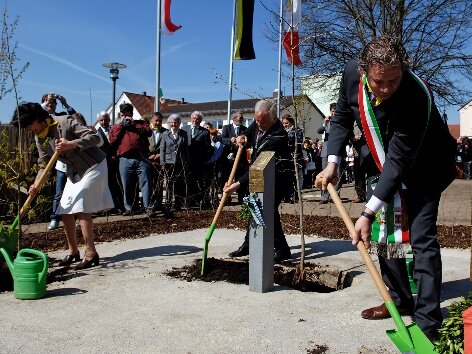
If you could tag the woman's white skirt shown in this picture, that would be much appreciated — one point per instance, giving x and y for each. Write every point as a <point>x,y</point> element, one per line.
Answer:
<point>88,195</point>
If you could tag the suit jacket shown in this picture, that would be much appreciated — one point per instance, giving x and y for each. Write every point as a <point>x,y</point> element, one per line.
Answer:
<point>154,146</point>
<point>275,139</point>
<point>200,146</point>
<point>79,161</point>
<point>106,143</point>
<point>325,130</point>
<point>174,151</point>
<point>408,137</point>
<point>228,132</point>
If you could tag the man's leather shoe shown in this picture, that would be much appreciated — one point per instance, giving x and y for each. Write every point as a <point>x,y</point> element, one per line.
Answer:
<point>358,200</point>
<point>282,255</point>
<point>381,312</point>
<point>240,252</point>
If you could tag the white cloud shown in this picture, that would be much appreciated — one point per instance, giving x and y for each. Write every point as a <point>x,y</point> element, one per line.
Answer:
<point>65,62</point>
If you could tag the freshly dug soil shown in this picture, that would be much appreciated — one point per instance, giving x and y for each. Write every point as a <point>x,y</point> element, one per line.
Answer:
<point>317,278</point>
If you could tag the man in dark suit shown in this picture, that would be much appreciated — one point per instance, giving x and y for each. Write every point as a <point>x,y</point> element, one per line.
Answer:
<point>410,127</point>
<point>228,135</point>
<point>154,156</point>
<point>267,133</point>
<point>200,152</point>
<point>103,128</point>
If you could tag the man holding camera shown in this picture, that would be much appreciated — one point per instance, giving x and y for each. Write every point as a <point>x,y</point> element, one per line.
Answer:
<point>129,142</point>
<point>49,104</point>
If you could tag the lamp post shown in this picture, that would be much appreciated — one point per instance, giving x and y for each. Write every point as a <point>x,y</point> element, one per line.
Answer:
<point>114,71</point>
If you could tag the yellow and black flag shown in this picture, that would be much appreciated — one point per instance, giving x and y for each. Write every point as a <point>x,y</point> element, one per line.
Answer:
<point>244,49</point>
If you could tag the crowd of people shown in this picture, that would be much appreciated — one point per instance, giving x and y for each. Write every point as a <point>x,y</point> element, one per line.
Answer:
<point>152,168</point>
<point>138,165</point>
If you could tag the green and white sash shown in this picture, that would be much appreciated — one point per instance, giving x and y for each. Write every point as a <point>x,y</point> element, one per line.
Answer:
<point>390,229</point>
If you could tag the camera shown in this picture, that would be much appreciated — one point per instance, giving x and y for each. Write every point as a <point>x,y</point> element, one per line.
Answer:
<point>127,121</point>
<point>58,97</point>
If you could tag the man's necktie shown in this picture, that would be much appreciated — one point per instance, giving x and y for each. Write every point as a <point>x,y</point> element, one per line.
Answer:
<point>194,132</point>
<point>236,131</point>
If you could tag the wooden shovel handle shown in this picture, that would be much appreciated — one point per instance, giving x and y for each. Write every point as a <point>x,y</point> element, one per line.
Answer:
<point>360,245</point>
<point>42,179</point>
<point>230,182</point>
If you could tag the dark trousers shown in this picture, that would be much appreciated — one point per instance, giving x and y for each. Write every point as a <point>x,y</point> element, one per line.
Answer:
<point>196,183</point>
<point>422,216</point>
<point>359,180</point>
<point>61,179</point>
<point>114,183</point>
<point>176,185</point>
<point>157,186</point>
<point>242,168</point>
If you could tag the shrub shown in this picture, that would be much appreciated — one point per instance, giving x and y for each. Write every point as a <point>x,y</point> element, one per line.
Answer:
<point>452,330</point>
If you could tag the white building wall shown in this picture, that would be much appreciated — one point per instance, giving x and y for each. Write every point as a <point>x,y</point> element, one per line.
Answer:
<point>323,97</point>
<point>465,120</point>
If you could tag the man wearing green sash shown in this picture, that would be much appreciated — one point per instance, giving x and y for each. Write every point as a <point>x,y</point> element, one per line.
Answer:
<point>401,126</point>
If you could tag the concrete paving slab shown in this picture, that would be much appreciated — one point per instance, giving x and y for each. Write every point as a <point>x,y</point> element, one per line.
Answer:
<point>127,304</point>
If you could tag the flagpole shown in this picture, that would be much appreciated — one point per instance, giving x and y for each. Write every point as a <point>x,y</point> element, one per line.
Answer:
<point>230,84</point>
<point>158,57</point>
<point>279,72</point>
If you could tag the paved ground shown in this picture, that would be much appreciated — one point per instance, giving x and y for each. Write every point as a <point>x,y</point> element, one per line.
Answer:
<point>127,304</point>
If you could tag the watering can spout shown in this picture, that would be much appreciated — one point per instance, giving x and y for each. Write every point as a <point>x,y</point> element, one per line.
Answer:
<point>7,260</point>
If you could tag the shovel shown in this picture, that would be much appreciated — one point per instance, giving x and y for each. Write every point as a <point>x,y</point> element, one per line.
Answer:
<point>408,339</point>
<point>220,208</point>
<point>9,234</point>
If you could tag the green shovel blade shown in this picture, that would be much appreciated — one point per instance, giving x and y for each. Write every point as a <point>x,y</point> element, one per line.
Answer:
<point>421,343</point>
<point>408,339</point>
<point>205,246</point>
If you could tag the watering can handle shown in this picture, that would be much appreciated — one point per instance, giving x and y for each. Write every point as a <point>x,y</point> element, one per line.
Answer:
<point>40,183</point>
<point>36,253</point>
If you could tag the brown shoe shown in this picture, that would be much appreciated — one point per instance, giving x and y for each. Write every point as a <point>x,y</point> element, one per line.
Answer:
<point>381,312</point>
<point>358,200</point>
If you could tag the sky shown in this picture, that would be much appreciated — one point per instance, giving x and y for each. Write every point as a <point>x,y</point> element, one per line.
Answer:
<point>66,42</point>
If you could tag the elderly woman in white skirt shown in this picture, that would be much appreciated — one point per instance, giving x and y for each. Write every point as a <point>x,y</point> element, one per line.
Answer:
<point>86,190</point>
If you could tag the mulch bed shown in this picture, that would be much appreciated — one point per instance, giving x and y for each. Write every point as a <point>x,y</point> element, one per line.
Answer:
<point>457,236</point>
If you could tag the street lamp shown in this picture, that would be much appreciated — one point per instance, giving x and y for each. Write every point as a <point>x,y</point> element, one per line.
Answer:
<point>114,71</point>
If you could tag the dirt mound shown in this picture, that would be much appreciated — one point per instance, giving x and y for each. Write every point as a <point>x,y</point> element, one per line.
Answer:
<point>317,278</point>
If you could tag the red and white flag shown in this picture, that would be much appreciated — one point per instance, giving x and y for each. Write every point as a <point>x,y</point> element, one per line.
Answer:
<point>167,27</point>
<point>291,36</point>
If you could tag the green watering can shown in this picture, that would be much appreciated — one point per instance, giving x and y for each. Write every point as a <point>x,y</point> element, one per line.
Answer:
<point>29,272</point>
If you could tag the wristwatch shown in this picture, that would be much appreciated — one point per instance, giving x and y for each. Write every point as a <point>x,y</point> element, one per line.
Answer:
<point>370,217</point>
